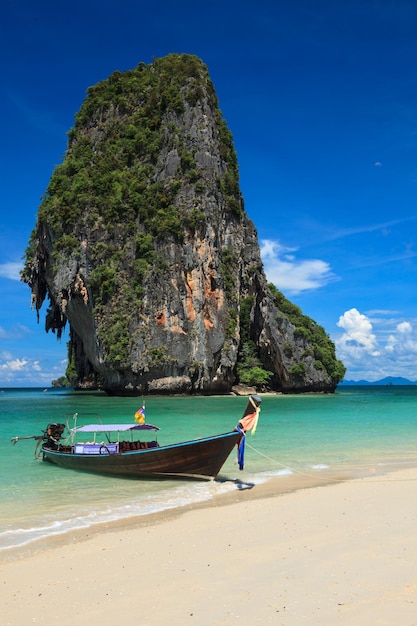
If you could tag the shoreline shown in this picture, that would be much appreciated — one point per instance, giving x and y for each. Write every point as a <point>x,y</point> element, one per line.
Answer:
<point>343,554</point>
<point>217,493</point>
<point>245,491</point>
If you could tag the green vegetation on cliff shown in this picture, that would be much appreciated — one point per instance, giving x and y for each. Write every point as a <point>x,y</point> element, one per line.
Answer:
<point>249,368</point>
<point>109,172</point>
<point>108,185</point>
<point>320,346</point>
<point>143,245</point>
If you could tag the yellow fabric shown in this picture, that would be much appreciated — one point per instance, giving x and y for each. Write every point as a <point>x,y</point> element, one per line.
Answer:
<point>140,416</point>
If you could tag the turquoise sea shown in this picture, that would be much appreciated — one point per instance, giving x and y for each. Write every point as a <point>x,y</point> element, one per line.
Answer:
<point>354,430</point>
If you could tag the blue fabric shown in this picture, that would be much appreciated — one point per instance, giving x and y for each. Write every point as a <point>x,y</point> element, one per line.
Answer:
<point>241,450</point>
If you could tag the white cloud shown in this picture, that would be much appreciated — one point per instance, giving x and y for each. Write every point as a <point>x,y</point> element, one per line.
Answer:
<point>290,274</point>
<point>358,335</point>
<point>26,371</point>
<point>383,227</point>
<point>404,327</point>
<point>404,342</point>
<point>16,332</point>
<point>10,270</point>
<point>373,312</point>
<point>14,366</point>
<point>374,349</point>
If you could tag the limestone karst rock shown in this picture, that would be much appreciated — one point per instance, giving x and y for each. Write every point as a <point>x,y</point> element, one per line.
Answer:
<point>143,246</point>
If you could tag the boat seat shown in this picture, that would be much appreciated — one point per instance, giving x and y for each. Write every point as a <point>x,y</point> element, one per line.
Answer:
<point>126,446</point>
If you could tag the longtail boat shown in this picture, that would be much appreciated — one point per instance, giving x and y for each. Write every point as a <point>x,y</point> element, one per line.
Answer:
<point>116,450</point>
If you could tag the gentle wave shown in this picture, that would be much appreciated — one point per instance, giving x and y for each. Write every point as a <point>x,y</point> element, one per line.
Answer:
<point>146,505</point>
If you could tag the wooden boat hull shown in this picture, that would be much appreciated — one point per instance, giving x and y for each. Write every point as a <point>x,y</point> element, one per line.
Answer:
<point>200,458</point>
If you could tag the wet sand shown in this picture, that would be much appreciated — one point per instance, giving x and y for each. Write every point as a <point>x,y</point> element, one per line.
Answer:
<point>289,552</point>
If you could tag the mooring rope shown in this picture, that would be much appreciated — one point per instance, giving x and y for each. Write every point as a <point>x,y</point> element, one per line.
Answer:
<point>327,479</point>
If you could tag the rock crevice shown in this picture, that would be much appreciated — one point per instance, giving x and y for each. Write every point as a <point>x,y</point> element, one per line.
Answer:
<point>143,246</point>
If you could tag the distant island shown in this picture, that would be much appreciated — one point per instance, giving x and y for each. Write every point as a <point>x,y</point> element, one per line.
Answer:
<point>388,380</point>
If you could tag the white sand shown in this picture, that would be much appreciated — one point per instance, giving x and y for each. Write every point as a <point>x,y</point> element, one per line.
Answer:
<point>345,553</point>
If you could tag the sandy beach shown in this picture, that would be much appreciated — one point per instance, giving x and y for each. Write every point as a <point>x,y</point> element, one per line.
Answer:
<point>341,553</point>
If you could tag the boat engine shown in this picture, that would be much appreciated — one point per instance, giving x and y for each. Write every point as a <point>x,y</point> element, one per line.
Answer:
<point>52,434</point>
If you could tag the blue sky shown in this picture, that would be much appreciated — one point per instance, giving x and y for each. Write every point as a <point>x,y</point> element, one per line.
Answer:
<point>321,99</point>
